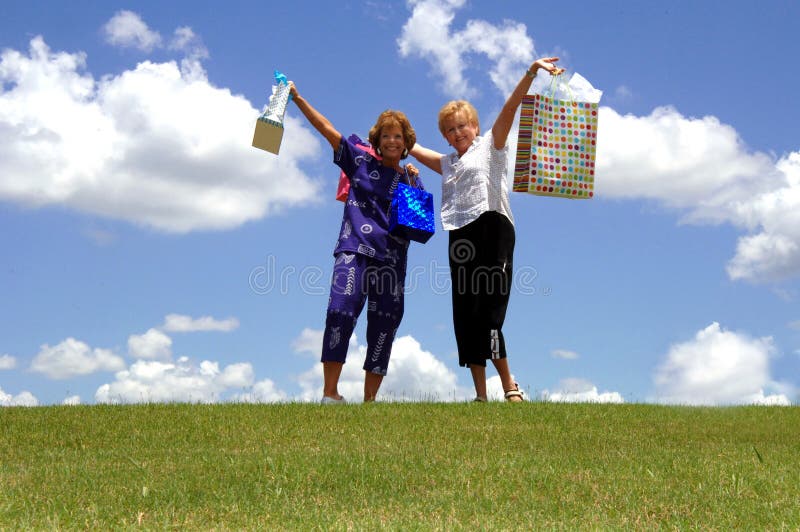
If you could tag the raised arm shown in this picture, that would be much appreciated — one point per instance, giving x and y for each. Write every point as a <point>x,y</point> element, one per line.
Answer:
<point>505,119</point>
<point>317,119</point>
<point>430,158</point>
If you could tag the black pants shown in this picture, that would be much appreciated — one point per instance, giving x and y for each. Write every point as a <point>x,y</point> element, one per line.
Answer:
<point>481,267</point>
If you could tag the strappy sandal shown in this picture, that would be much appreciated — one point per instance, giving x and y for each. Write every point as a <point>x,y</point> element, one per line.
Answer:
<point>479,400</point>
<point>516,392</point>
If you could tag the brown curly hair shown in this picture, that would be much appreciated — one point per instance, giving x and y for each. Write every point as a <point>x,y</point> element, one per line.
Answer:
<point>391,118</point>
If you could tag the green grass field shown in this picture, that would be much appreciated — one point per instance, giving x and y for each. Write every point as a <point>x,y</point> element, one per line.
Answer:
<point>399,465</point>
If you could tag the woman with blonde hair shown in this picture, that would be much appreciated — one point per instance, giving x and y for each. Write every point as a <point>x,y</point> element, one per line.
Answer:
<point>477,214</point>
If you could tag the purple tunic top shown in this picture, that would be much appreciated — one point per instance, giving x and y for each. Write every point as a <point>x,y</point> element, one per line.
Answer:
<point>365,223</point>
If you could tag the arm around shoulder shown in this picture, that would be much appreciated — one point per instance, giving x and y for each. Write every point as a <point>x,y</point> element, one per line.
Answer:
<point>430,158</point>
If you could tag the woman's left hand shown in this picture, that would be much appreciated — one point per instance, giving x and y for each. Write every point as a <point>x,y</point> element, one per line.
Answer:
<point>413,173</point>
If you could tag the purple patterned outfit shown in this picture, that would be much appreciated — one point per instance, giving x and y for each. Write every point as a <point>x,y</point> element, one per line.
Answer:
<point>370,263</point>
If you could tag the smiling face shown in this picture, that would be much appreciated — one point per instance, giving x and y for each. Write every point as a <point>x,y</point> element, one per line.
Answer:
<point>459,131</point>
<point>392,134</point>
<point>391,143</point>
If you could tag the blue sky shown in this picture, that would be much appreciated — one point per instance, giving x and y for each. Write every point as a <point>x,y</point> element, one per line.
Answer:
<point>149,253</point>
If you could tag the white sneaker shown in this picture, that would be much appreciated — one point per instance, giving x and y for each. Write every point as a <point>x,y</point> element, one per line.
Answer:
<point>332,401</point>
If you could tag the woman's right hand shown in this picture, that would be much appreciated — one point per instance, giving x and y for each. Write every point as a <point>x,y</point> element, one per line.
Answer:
<point>293,90</point>
<point>547,63</point>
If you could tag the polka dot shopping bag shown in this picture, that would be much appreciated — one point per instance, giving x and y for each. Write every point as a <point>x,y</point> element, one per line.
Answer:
<point>557,143</point>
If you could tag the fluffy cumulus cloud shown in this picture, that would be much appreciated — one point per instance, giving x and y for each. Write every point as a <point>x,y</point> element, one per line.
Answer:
<point>309,342</point>
<point>128,30</point>
<point>179,381</point>
<point>417,375</point>
<point>24,398</point>
<point>698,166</point>
<point>7,362</point>
<point>719,367</point>
<point>181,323</point>
<point>693,163</point>
<point>701,167</point>
<point>186,40</point>
<point>155,377</point>
<point>580,391</point>
<point>414,374</point>
<point>158,145</point>
<point>772,250</point>
<point>153,344</point>
<point>72,400</point>
<point>428,34</point>
<point>264,391</point>
<point>72,358</point>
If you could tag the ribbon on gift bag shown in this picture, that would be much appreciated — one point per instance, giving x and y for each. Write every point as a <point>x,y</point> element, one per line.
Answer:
<point>557,141</point>
<point>411,213</point>
<point>343,189</point>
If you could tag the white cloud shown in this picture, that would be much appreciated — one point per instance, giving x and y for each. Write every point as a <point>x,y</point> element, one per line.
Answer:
<point>774,252</point>
<point>693,163</point>
<point>71,358</point>
<point>72,400</point>
<point>153,344</point>
<point>718,367</point>
<point>24,398</point>
<point>622,93</point>
<point>186,40</point>
<point>127,29</point>
<point>794,325</point>
<point>182,323</point>
<point>239,375</point>
<point>698,166</point>
<point>309,342</point>
<point>158,145</point>
<point>564,354</point>
<point>417,375</point>
<point>702,167</point>
<point>759,398</point>
<point>414,375</point>
<point>428,34</point>
<point>181,381</point>
<point>262,392</point>
<point>7,362</point>
<point>580,391</point>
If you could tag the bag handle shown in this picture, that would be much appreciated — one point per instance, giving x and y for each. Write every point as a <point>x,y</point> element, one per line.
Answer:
<point>413,181</point>
<point>554,84</point>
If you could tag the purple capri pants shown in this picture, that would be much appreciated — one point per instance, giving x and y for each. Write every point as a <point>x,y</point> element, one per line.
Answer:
<point>356,279</point>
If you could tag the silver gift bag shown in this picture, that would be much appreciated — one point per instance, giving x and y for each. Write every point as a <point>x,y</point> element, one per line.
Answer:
<point>269,126</point>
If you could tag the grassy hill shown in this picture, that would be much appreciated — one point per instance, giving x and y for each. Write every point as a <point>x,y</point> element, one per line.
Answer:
<point>399,465</point>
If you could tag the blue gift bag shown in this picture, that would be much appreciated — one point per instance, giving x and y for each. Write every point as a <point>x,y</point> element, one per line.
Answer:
<point>411,216</point>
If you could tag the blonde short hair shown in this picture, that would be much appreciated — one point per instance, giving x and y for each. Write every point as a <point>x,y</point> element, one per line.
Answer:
<point>454,106</point>
<point>391,118</point>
